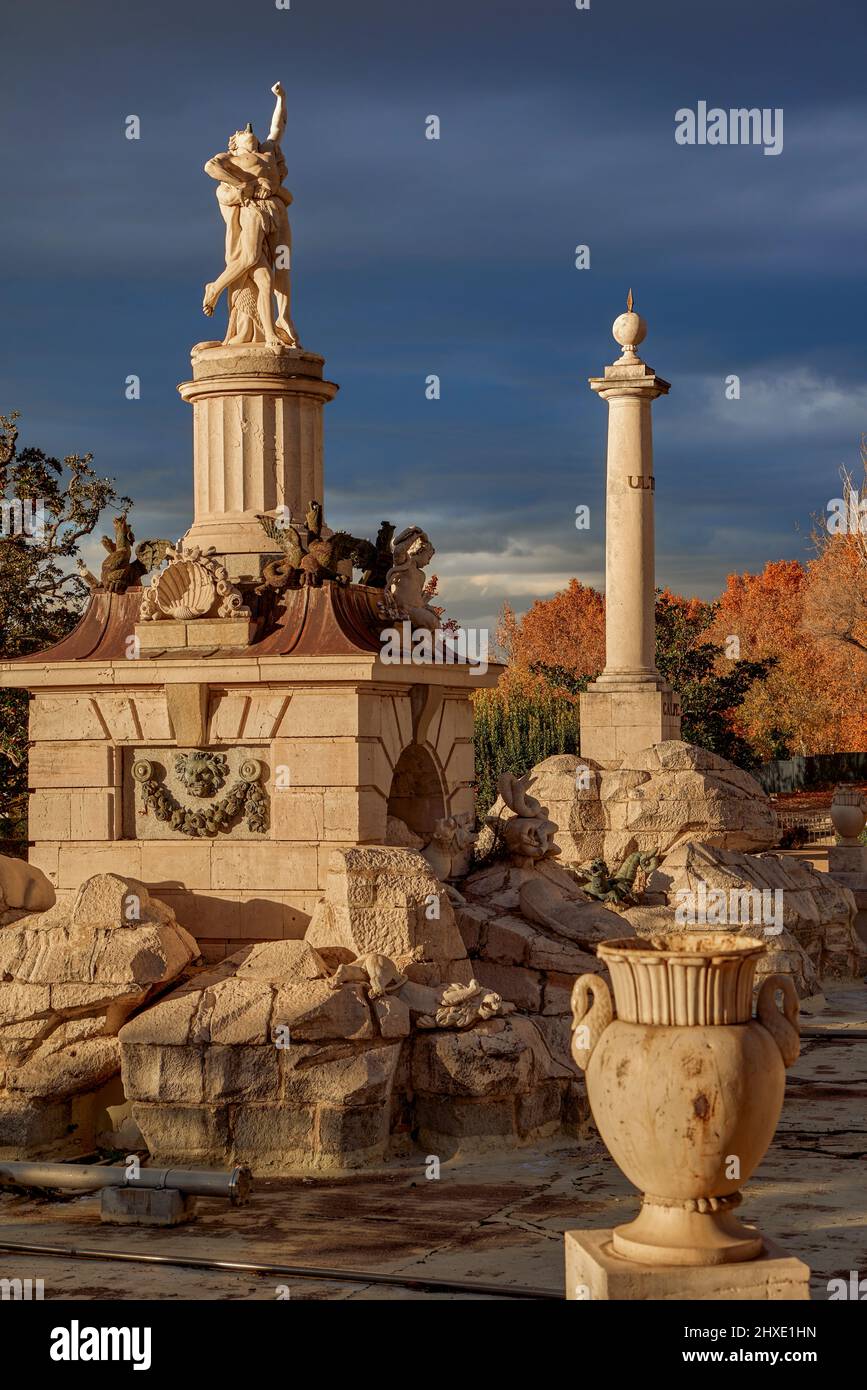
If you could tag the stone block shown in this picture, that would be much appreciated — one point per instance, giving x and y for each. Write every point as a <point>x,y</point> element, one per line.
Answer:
<point>180,1134</point>
<point>165,1075</point>
<point>217,632</point>
<point>79,861</point>
<point>312,1010</point>
<point>297,813</point>
<point>316,714</point>
<point>593,1271</point>
<point>241,1073</point>
<point>508,941</point>
<point>351,1138</point>
<point>441,1119</point>
<point>392,1016</point>
<point>538,1112</point>
<point>237,864</point>
<point>166,1023</point>
<point>472,1064</point>
<point>228,715</point>
<point>320,762</point>
<point>558,993</point>
<point>522,987</point>
<point>145,1206</point>
<point>274,1137</point>
<point>26,1127</point>
<point>285,960</point>
<point>55,717</point>
<point>314,1075</point>
<point>94,815</point>
<point>81,764</point>
<point>167,863</point>
<point>164,635</point>
<point>848,859</point>
<point>49,815</point>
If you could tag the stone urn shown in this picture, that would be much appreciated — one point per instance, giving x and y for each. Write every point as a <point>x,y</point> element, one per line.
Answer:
<point>848,814</point>
<point>685,1086</point>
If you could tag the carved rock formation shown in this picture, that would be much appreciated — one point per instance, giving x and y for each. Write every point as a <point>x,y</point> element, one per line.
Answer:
<point>71,976</point>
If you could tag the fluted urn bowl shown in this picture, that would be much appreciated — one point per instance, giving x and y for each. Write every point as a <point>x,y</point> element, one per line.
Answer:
<point>848,813</point>
<point>685,1086</point>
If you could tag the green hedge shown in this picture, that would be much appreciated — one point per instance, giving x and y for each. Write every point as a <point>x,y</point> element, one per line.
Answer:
<point>514,730</point>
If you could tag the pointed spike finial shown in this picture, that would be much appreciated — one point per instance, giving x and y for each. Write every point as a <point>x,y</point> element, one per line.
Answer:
<point>629,302</point>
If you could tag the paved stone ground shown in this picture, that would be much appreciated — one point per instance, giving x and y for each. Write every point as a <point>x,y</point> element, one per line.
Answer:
<point>496,1221</point>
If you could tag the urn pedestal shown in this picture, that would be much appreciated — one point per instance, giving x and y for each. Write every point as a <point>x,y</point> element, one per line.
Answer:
<point>686,1089</point>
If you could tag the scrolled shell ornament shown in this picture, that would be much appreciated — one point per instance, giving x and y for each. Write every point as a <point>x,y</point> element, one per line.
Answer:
<point>194,584</point>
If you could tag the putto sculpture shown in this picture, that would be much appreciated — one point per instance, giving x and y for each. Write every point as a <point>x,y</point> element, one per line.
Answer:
<point>406,584</point>
<point>253,203</point>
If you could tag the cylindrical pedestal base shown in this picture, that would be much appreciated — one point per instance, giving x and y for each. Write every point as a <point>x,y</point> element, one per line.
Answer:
<point>257,445</point>
<point>670,1234</point>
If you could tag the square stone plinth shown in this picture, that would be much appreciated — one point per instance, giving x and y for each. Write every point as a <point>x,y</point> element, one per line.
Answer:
<point>593,1271</point>
<point>171,634</point>
<point>618,719</point>
<point>848,859</point>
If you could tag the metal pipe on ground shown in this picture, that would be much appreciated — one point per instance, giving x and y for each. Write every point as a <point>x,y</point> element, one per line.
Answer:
<point>69,1177</point>
<point>307,1272</point>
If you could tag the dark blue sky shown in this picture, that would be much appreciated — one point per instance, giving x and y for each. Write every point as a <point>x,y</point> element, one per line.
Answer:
<point>456,257</point>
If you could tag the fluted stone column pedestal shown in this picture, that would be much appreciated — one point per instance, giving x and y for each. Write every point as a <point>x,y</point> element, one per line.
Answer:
<point>629,706</point>
<point>257,445</point>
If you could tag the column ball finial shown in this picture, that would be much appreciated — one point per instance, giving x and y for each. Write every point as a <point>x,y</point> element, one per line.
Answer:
<point>629,329</point>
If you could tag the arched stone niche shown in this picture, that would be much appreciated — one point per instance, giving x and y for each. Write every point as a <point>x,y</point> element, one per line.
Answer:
<point>416,795</point>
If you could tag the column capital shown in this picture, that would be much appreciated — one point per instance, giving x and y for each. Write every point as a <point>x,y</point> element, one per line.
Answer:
<point>629,379</point>
<point>629,376</point>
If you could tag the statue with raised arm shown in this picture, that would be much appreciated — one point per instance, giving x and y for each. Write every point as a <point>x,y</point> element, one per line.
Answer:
<point>253,203</point>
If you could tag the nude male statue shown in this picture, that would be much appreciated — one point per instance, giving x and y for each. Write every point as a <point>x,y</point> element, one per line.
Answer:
<point>253,203</point>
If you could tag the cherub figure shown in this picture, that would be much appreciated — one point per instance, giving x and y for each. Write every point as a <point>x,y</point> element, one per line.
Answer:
<point>405,581</point>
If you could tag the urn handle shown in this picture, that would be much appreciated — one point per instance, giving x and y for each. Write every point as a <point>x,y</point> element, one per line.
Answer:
<point>589,1021</point>
<point>783,1027</point>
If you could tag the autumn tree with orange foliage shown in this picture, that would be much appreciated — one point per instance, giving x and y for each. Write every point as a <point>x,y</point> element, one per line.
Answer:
<point>560,641</point>
<point>809,618</point>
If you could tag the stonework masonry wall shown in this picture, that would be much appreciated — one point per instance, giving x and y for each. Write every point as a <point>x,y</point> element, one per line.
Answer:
<point>329,752</point>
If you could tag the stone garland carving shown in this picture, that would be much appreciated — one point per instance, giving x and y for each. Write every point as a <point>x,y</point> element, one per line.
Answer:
<point>244,798</point>
<point>193,585</point>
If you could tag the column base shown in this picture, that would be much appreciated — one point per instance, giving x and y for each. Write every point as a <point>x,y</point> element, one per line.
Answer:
<point>594,1271</point>
<point>240,542</point>
<point>622,713</point>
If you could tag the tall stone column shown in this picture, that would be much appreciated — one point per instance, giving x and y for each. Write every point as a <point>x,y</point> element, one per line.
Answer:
<point>257,445</point>
<point>629,706</point>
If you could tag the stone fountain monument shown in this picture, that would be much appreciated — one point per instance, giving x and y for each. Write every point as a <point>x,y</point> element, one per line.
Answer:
<point>216,728</point>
